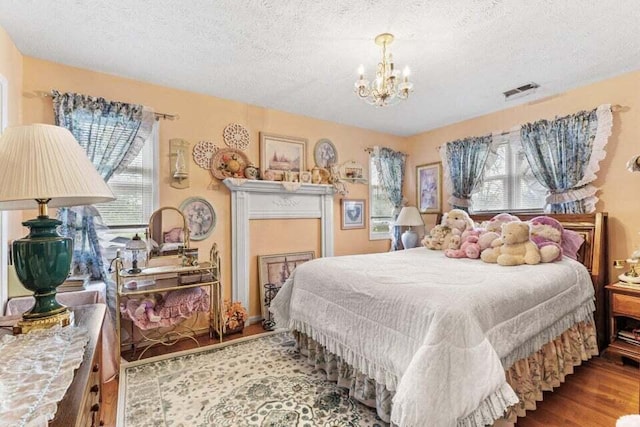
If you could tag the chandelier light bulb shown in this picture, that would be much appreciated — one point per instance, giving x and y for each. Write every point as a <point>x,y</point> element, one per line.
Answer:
<point>387,88</point>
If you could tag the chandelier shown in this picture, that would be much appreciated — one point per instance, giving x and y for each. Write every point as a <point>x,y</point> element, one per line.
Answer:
<point>388,88</point>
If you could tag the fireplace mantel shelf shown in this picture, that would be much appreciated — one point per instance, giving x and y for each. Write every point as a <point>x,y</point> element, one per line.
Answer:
<point>252,199</point>
<point>256,186</point>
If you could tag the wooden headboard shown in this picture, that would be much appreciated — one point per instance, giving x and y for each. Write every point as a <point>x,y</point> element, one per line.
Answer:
<point>593,254</point>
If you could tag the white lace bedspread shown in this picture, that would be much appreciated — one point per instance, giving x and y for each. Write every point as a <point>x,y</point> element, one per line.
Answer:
<point>36,369</point>
<point>438,331</point>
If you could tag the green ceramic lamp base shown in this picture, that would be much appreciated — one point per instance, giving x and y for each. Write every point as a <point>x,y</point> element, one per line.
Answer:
<point>42,260</point>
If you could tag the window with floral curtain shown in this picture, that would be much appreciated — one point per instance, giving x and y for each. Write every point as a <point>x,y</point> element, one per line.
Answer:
<point>564,156</point>
<point>112,134</point>
<point>390,171</point>
<point>463,163</point>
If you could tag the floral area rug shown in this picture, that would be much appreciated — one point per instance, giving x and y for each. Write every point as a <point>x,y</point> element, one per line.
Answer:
<point>261,382</point>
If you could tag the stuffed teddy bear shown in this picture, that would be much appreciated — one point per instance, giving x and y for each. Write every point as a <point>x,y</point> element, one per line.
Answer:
<point>147,305</point>
<point>458,221</point>
<point>491,229</point>
<point>469,248</point>
<point>546,233</point>
<point>436,237</point>
<point>516,247</point>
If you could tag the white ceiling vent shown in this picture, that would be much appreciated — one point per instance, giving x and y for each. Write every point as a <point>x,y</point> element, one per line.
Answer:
<point>521,91</point>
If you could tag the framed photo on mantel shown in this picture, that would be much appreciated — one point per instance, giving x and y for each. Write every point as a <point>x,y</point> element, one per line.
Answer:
<point>282,154</point>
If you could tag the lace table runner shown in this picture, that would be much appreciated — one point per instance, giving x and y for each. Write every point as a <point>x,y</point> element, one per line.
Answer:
<point>36,369</point>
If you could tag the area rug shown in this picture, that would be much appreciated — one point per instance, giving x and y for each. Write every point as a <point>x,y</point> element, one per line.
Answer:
<point>259,382</point>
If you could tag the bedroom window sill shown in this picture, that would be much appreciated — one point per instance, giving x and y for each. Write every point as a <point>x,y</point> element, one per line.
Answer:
<point>379,236</point>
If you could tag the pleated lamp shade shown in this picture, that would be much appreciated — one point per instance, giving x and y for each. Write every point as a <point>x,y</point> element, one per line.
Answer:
<point>409,216</point>
<point>42,161</point>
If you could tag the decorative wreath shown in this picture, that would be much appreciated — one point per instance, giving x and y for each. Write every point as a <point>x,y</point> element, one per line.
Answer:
<point>203,152</point>
<point>236,136</point>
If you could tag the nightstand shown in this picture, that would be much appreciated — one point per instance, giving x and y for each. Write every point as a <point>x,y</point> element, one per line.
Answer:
<point>624,311</point>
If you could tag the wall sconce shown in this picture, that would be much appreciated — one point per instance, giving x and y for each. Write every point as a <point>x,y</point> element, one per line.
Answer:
<point>179,171</point>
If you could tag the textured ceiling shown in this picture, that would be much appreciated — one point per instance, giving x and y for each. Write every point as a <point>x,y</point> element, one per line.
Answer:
<point>302,56</point>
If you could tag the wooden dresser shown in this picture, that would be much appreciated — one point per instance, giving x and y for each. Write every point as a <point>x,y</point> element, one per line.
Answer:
<point>80,406</point>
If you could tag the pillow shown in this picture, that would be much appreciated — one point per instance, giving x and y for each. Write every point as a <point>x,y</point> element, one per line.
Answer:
<point>175,235</point>
<point>571,242</point>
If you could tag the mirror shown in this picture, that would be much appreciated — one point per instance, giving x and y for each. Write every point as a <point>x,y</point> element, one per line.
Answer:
<point>168,232</point>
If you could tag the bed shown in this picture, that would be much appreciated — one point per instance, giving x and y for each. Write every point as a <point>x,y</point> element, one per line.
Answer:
<point>433,341</point>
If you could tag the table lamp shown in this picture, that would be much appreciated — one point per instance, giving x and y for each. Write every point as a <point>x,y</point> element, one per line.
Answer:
<point>135,246</point>
<point>43,165</point>
<point>409,217</point>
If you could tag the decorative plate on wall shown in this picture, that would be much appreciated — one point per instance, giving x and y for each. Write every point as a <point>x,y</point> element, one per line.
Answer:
<point>236,136</point>
<point>201,217</point>
<point>325,153</point>
<point>229,163</point>
<point>203,152</point>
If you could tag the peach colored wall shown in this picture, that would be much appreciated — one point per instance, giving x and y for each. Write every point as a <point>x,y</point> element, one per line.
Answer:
<point>619,188</point>
<point>204,117</point>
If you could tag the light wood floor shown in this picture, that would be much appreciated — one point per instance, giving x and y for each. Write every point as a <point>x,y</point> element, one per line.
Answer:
<point>596,395</point>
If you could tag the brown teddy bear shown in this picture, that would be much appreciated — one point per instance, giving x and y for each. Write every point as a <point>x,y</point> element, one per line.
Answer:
<point>516,248</point>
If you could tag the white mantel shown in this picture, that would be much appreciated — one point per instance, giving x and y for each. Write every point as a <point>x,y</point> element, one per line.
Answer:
<point>271,200</point>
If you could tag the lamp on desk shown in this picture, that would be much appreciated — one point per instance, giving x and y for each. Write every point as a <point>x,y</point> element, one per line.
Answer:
<point>409,217</point>
<point>40,166</point>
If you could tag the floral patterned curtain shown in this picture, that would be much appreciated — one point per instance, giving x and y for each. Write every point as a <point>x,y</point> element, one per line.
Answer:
<point>564,156</point>
<point>463,163</point>
<point>112,134</point>
<point>390,167</point>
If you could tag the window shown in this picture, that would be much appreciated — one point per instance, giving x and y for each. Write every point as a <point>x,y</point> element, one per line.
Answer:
<point>509,184</point>
<point>134,188</point>
<point>380,207</point>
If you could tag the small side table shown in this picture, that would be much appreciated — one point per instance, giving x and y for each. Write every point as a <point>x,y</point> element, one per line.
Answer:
<point>624,303</point>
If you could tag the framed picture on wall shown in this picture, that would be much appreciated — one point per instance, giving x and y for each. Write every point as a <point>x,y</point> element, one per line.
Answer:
<point>429,187</point>
<point>353,214</point>
<point>273,271</point>
<point>282,153</point>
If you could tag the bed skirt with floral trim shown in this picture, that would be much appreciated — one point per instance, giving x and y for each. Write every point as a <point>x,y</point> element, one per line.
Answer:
<point>543,370</point>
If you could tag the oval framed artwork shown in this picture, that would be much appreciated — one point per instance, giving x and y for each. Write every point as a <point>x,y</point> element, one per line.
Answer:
<point>325,153</point>
<point>201,217</point>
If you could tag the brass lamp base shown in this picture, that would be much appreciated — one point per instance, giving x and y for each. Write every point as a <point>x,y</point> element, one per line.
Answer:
<point>24,326</point>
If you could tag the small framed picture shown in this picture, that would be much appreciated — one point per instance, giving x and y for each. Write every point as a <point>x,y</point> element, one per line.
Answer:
<point>353,214</point>
<point>282,153</point>
<point>429,187</point>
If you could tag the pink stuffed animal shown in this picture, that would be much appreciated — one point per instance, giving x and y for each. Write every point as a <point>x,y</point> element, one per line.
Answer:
<point>459,222</point>
<point>546,233</point>
<point>147,305</point>
<point>469,247</point>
